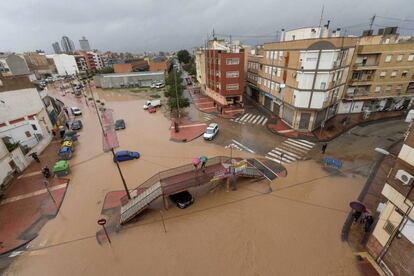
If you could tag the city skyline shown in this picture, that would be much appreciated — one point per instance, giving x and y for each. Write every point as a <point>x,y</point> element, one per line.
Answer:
<point>138,27</point>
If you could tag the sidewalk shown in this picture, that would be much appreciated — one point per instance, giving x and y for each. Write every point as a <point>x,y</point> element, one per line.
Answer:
<point>188,131</point>
<point>333,128</point>
<point>27,205</point>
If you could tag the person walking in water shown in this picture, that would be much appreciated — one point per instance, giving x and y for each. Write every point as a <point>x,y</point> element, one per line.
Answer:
<point>323,149</point>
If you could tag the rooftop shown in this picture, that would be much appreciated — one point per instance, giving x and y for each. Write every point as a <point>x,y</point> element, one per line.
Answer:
<point>133,74</point>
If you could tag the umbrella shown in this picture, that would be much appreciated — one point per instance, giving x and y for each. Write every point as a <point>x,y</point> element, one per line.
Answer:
<point>203,158</point>
<point>357,206</point>
<point>196,161</point>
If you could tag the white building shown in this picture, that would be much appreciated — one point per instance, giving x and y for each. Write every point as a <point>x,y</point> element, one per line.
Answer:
<point>11,162</point>
<point>23,117</point>
<point>65,64</point>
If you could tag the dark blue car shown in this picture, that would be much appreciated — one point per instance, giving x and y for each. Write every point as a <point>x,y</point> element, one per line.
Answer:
<point>125,155</point>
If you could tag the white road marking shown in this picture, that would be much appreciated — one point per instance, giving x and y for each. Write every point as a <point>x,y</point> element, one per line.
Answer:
<point>288,154</point>
<point>252,118</point>
<point>265,121</point>
<point>243,146</point>
<point>273,159</point>
<point>300,143</point>
<point>255,121</point>
<point>278,156</point>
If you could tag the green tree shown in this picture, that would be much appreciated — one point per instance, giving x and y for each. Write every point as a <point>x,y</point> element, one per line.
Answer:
<point>184,56</point>
<point>175,91</point>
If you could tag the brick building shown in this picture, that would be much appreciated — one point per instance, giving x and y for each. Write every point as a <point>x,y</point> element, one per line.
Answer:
<point>224,73</point>
<point>158,64</point>
<point>122,67</point>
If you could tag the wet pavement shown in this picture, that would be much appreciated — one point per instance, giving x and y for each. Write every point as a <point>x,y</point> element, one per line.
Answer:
<point>294,230</point>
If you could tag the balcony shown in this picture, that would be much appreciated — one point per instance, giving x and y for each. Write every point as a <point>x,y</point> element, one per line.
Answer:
<point>365,66</point>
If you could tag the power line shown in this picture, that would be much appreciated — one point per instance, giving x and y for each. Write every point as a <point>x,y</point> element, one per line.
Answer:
<point>395,19</point>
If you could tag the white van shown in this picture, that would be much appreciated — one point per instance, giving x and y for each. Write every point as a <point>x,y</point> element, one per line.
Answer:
<point>154,103</point>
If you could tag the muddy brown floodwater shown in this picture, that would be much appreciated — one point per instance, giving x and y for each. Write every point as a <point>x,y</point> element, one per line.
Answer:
<point>295,230</point>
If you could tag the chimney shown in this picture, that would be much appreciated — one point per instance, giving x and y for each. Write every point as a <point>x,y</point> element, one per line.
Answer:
<point>282,35</point>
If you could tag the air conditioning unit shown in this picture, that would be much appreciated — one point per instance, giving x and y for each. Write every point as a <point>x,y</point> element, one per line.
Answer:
<point>404,177</point>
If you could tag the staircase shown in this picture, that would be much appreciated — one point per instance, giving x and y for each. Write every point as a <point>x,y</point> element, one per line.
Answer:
<point>140,202</point>
<point>251,172</point>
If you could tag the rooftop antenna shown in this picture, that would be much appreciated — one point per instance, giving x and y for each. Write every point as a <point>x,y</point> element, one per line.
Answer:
<point>320,20</point>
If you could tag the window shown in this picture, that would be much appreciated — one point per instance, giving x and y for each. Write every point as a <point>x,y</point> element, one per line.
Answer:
<point>410,57</point>
<point>398,88</point>
<point>383,74</point>
<point>232,87</point>
<point>278,72</point>
<point>389,227</point>
<point>232,74</point>
<point>232,61</point>
<point>399,57</point>
<point>388,58</point>
<point>28,134</point>
<point>34,127</point>
<point>404,74</point>
<point>388,89</point>
<point>378,89</point>
<point>394,74</point>
<point>323,85</point>
<point>309,59</point>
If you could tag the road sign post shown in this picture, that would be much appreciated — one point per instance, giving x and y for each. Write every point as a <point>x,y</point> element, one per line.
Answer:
<point>102,222</point>
<point>46,184</point>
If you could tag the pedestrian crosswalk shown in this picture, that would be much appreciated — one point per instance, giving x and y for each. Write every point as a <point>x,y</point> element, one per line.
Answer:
<point>249,118</point>
<point>290,151</point>
<point>208,117</point>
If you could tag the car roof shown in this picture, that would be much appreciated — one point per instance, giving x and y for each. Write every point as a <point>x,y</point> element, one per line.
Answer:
<point>119,120</point>
<point>75,107</point>
<point>122,152</point>
<point>212,125</point>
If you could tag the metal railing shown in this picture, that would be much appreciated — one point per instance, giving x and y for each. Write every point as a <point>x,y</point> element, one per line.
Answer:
<point>159,177</point>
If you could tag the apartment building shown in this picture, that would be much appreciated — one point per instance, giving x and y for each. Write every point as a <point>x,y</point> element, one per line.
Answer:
<point>38,64</point>
<point>200,61</point>
<point>301,78</point>
<point>81,62</point>
<point>12,64</point>
<point>392,241</point>
<point>65,64</point>
<point>381,76</point>
<point>224,67</point>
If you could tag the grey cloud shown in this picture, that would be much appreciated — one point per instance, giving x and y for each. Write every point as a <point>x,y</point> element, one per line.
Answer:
<point>139,25</point>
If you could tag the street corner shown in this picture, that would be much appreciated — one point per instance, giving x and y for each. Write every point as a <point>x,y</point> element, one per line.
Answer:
<point>187,132</point>
<point>24,212</point>
<point>111,213</point>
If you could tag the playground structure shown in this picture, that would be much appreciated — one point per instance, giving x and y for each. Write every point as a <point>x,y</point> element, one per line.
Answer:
<point>219,169</point>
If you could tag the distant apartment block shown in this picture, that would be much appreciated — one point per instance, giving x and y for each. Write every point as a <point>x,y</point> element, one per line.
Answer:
<point>84,44</point>
<point>56,48</point>
<point>67,45</point>
<point>301,78</point>
<point>65,64</point>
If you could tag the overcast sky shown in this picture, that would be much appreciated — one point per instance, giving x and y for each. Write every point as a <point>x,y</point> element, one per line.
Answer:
<point>153,25</point>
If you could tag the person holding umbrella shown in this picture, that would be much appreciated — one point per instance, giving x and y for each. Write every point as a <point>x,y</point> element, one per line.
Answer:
<point>203,160</point>
<point>195,162</point>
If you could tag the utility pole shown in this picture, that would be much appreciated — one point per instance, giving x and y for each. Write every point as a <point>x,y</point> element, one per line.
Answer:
<point>372,22</point>
<point>104,134</point>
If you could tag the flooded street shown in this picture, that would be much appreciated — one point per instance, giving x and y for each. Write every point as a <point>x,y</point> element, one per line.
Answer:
<point>294,230</point>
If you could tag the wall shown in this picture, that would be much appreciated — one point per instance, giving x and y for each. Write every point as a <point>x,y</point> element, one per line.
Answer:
<point>19,103</point>
<point>65,64</point>
<point>345,107</point>
<point>155,66</point>
<point>17,65</point>
<point>122,68</point>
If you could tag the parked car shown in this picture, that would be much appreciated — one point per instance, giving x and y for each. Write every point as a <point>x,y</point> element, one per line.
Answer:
<point>152,109</point>
<point>154,103</point>
<point>182,199</point>
<point>75,111</point>
<point>76,125</point>
<point>119,124</point>
<point>211,131</point>
<point>125,155</point>
<point>157,84</point>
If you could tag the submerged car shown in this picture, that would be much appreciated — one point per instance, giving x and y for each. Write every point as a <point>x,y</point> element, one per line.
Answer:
<point>182,199</point>
<point>76,125</point>
<point>119,124</point>
<point>211,131</point>
<point>125,155</point>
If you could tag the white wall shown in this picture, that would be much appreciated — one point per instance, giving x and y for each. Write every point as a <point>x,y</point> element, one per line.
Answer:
<point>309,59</point>
<point>327,59</point>
<point>65,64</point>
<point>317,99</point>
<point>19,103</point>
<point>305,80</point>
<point>407,154</point>
<point>325,77</point>
<point>303,33</point>
<point>301,98</point>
